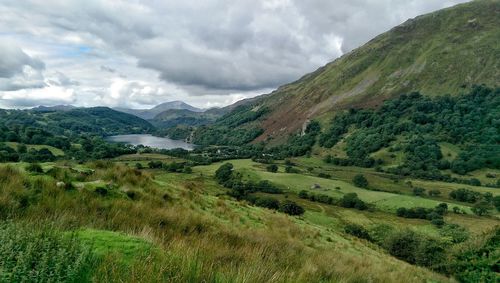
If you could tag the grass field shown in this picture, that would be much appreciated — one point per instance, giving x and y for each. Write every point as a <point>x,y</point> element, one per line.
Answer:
<point>297,182</point>
<point>55,151</point>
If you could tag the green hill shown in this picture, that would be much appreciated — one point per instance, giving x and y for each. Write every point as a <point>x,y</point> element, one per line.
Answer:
<point>445,52</point>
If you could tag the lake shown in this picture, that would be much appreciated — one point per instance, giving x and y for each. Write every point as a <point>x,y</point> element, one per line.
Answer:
<point>151,141</point>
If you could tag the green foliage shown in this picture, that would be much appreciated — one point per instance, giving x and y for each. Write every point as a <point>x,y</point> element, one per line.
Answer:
<point>225,130</point>
<point>291,208</point>
<point>357,231</point>
<point>360,181</point>
<point>481,208</point>
<point>435,215</point>
<point>273,168</point>
<point>34,168</point>
<point>351,200</point>
<point>31,255</point>
<point>421,122</point>
<point>465,195</point>
<point>223,174</point>
<point>477,263</point>
<point>267,202</point>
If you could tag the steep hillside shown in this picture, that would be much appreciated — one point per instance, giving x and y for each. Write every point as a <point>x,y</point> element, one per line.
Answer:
<point>100,121</point>
<point>151,113</point>
<point>445,52</point>
<point>174,117</point>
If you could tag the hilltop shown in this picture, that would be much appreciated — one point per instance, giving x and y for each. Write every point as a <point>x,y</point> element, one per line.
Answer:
<point>147,114</point>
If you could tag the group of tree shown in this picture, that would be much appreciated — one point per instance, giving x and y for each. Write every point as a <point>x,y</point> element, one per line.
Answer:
<point>174,167</point>
<point>420,123</point>
<point>243,190</point>
<point>435,215</point>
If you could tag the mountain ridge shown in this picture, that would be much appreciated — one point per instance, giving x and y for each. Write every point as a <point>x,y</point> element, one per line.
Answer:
<point>150,113</point>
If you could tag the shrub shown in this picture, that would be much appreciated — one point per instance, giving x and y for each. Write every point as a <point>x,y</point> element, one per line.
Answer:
<point>465,195</point>
<point>273,168</point>
<point>34,168</point>
<point>290,169</point>
<point>303,194</point>
<point>139,166</point>
<point>480,208</point>
<point>360,181</point>
<point>403,245</point>
<point>155,164</point>
<point>31,255</point>
<point>268,202</point>
<point>291,208</point>
<point>223,174</point>
<point>102,191</point>
<point>351,200</point>
<point>357,231</point>
<point>418,191</point>
<point>454,232</point>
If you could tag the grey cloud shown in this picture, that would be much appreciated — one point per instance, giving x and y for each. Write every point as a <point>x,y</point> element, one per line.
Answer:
<point>204,47</point>
<point>13,60</point>
<point>107,69</point>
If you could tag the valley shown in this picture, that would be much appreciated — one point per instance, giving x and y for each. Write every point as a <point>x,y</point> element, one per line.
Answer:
<point>381,166</point>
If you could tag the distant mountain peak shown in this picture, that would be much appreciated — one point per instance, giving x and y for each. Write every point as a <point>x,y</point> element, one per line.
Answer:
<point>62,107</point>
<point>152,112</point>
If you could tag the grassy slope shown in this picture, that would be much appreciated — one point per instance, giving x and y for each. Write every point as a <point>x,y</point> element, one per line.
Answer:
<point>436,54</point>
<point>55,151</point>
<point>206,236</point>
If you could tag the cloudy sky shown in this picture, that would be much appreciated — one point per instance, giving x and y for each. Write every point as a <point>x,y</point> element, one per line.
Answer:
<point>207,53</point>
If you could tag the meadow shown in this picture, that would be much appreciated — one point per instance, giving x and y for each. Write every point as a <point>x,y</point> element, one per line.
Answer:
<point>122,224</point>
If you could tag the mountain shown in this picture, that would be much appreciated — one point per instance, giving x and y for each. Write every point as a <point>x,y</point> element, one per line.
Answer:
<point>174,117</point>
<point>100,121</point>
<point>151,113</point>
<point>42,108</point>
<point>445,52</point>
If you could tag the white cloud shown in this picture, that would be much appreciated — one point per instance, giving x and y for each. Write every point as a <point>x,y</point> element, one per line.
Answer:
<point>140,53</point>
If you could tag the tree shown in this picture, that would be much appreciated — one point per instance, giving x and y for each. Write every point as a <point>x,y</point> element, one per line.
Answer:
<point>291,208</point>
<point>480,208</point>
<point>268,202</point>
<point>223,174</point>
<point>272,168</point>
<point>496,202</point>
<point>357,231</point>
<point>303,194</point>
<point>360,181</point>
<point>418,191</point>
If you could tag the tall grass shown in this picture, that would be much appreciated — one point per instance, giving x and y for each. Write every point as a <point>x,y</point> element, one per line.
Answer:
<point>41,255</point>
<point>193,245</point>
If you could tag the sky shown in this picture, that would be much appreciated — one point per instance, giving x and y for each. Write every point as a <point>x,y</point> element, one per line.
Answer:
<point>207,53</point>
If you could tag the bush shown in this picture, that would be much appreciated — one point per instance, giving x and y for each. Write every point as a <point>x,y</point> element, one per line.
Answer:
<point>360,181</point>
<point>480,208</point>
<point>30,255</point>
<point>290,169</point>
<point>273,168</point>
<point>268,202</point>
<point>34,168</point>
<point>223,174</point>
<point>357,231</point>
<point>403,245</point>
<point>155,164</point>
<point>351,200</point>
<point>303,194</point>
<point>418,191</point>
<point>291,208</point>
